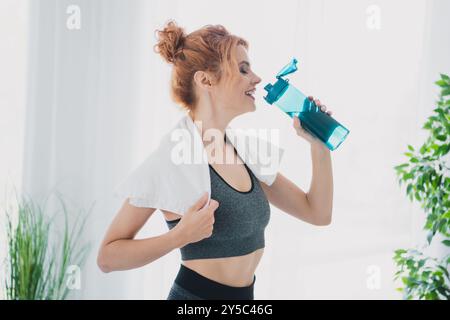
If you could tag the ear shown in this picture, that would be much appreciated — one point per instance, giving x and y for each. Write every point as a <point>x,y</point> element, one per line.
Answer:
<point>203,79</point>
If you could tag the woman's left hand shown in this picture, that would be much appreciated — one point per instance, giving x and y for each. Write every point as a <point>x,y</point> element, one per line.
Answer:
<point>305,134</point>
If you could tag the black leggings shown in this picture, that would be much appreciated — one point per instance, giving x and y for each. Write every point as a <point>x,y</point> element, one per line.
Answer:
<point>190,285</point>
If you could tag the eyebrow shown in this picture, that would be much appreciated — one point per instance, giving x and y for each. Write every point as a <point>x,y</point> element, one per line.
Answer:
<point>245,62</point>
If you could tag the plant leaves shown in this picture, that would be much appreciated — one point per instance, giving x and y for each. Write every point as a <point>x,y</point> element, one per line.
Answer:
<point>401,166</point>
<point>408,154</point>
<point>425,175</point>
<point>441,83</point>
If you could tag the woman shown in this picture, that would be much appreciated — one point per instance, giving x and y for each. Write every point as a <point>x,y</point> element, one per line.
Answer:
<point>222,242</point>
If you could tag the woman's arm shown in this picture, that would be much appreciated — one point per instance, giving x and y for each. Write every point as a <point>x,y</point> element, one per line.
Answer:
<point>320,194</point>
<point>119,251</point>
<point>316,206</point>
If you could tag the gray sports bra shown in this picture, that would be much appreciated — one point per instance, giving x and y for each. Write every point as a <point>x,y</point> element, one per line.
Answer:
<point>239,221</point>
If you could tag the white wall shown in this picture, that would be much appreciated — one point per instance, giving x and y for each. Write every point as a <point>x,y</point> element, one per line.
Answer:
<point>13,54</point>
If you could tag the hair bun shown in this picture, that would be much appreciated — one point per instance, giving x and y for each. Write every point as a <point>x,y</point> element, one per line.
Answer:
<point>170,41</point>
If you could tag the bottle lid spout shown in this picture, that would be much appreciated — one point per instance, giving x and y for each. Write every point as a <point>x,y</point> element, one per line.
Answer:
<point>287,69</point>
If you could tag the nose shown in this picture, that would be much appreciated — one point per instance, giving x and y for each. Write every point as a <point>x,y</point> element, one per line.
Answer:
<point>257,79</point>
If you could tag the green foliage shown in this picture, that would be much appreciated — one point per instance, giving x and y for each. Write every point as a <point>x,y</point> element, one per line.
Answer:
<point>35,269</point>
<point>427,181</point>
<point>423,277</point>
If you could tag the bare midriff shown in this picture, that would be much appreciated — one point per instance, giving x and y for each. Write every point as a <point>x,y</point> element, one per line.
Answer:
<point>232,271</point>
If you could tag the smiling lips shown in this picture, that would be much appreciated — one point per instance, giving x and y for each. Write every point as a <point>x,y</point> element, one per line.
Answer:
<point>250,93</point>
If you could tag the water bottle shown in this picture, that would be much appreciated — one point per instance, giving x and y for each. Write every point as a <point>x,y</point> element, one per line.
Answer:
<point>294,103</point>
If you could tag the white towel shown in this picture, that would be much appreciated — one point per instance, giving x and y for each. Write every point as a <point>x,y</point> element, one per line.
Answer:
<point>176,174</point>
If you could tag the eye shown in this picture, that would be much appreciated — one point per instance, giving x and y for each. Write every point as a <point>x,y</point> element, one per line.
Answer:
<point>243,71</point>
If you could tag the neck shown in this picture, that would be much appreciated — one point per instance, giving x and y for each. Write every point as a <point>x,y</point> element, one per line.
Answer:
<point>212,124</point>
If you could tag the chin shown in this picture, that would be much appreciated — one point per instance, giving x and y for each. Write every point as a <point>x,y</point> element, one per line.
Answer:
<point>250,108</point>
<point>247,106</point>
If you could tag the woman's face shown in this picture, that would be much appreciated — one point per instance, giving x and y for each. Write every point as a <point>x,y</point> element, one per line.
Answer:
<point>238,97</point>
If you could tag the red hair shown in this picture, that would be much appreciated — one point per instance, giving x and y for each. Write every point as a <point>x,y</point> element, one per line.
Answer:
<point>210,48</point>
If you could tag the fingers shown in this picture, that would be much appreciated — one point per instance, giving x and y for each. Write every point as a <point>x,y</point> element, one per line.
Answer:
<point>212,208</point>
<point>296,122</point>
<point>200,202</point>
<point>316,101</point>
<point>321,106</point>
<point>213,205</point>
<point>297,126</point>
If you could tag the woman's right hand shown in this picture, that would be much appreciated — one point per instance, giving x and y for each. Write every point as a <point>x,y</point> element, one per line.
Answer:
<point>197,223</point>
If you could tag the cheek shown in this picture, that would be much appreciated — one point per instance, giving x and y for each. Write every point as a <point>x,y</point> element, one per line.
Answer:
<point>241,88</point>
<point>237,92</point>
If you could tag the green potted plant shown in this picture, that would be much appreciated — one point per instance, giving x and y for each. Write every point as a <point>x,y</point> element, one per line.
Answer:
<point>427,180</point>
<point>38,257</point>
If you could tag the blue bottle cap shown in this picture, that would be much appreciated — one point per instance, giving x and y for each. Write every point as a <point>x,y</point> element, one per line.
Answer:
<point>275,91</point>
<point>289,68</point>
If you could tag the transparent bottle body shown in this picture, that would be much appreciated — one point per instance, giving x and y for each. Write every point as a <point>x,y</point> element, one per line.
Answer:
<point>313,120</point>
